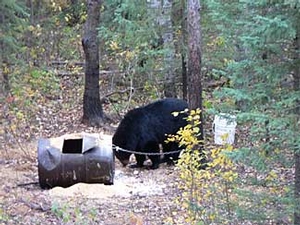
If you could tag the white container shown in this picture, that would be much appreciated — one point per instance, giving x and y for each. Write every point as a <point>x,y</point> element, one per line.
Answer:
<point>224,129</point>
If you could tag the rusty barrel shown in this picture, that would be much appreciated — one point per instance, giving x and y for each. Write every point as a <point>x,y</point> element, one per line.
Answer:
<point>71,159</point>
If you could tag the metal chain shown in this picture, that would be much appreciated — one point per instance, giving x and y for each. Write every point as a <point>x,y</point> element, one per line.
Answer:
<point>144,153</point>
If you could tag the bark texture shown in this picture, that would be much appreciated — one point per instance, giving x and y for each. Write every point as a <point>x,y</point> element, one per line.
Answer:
<point>168,39</point>
<point>194,58</point>
<point>297,114</point>
<point>92,108</point>
<point>163,8</point>
<point>183,50</point>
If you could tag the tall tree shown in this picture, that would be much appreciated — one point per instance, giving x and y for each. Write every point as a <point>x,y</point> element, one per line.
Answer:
<point>168,40</point>
<point>194,58</point>
<point>163,10</point>
<point>92,108</point>
<point>297,123</point>
<point>183,40</point>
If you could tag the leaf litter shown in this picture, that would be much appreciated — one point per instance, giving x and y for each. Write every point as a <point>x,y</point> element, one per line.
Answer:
<point>138,197</point>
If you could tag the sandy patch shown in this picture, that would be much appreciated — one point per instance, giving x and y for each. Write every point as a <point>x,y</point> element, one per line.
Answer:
<point>124,186</point>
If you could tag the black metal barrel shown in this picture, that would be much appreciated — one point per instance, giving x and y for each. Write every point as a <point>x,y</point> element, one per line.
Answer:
<point>68,160</point>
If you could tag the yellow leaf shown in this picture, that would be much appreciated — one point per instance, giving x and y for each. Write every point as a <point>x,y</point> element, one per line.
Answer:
<point>114,45</point>
<point>196,117</point>
<point>196,129</point>
<point>175,113</point>
<point>31,28</point>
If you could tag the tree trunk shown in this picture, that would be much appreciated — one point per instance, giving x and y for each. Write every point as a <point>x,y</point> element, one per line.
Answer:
<point>184,77</point>
<point>183,50</point>
<point>164,10</point>
<point>297,115</point>
<point>297,188</point>
<point>92,108</point>
<point>194,58</point>
<point>170,76</point>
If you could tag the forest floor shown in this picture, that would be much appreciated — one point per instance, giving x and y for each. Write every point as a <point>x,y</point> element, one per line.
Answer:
<point>138,196</point>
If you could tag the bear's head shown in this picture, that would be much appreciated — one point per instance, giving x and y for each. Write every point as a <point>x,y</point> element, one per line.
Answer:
<point>127,135</point>
<point>121,155</point>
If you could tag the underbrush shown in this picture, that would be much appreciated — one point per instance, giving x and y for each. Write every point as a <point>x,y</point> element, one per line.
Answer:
<point>228,191</point>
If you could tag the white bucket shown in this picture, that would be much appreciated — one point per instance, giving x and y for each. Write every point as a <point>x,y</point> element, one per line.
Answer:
<point>224,128</point>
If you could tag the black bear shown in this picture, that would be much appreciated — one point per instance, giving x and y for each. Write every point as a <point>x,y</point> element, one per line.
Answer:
<point>143,129</point>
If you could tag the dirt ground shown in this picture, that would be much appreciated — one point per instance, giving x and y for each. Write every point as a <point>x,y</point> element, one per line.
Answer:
<point>138,196</point>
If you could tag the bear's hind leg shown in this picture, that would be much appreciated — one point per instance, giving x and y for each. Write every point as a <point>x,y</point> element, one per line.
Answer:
<point>170,159</point>
<point>155,159</point>
<point>153,148</point>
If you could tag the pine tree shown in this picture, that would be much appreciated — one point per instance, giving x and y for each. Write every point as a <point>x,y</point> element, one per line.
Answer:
<point>12,21</point>
<point>264,83</point>
<point>13,18</point>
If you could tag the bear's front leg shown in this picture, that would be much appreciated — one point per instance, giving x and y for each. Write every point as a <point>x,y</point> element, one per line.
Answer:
<point>155,159</point>
<point>140,159</point>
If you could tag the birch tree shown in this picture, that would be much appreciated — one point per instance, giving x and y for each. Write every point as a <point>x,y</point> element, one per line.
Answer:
<point>163,8</point>
<point>168,40</point>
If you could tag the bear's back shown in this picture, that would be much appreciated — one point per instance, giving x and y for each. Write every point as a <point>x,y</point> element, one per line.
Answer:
<point>158,118</point>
